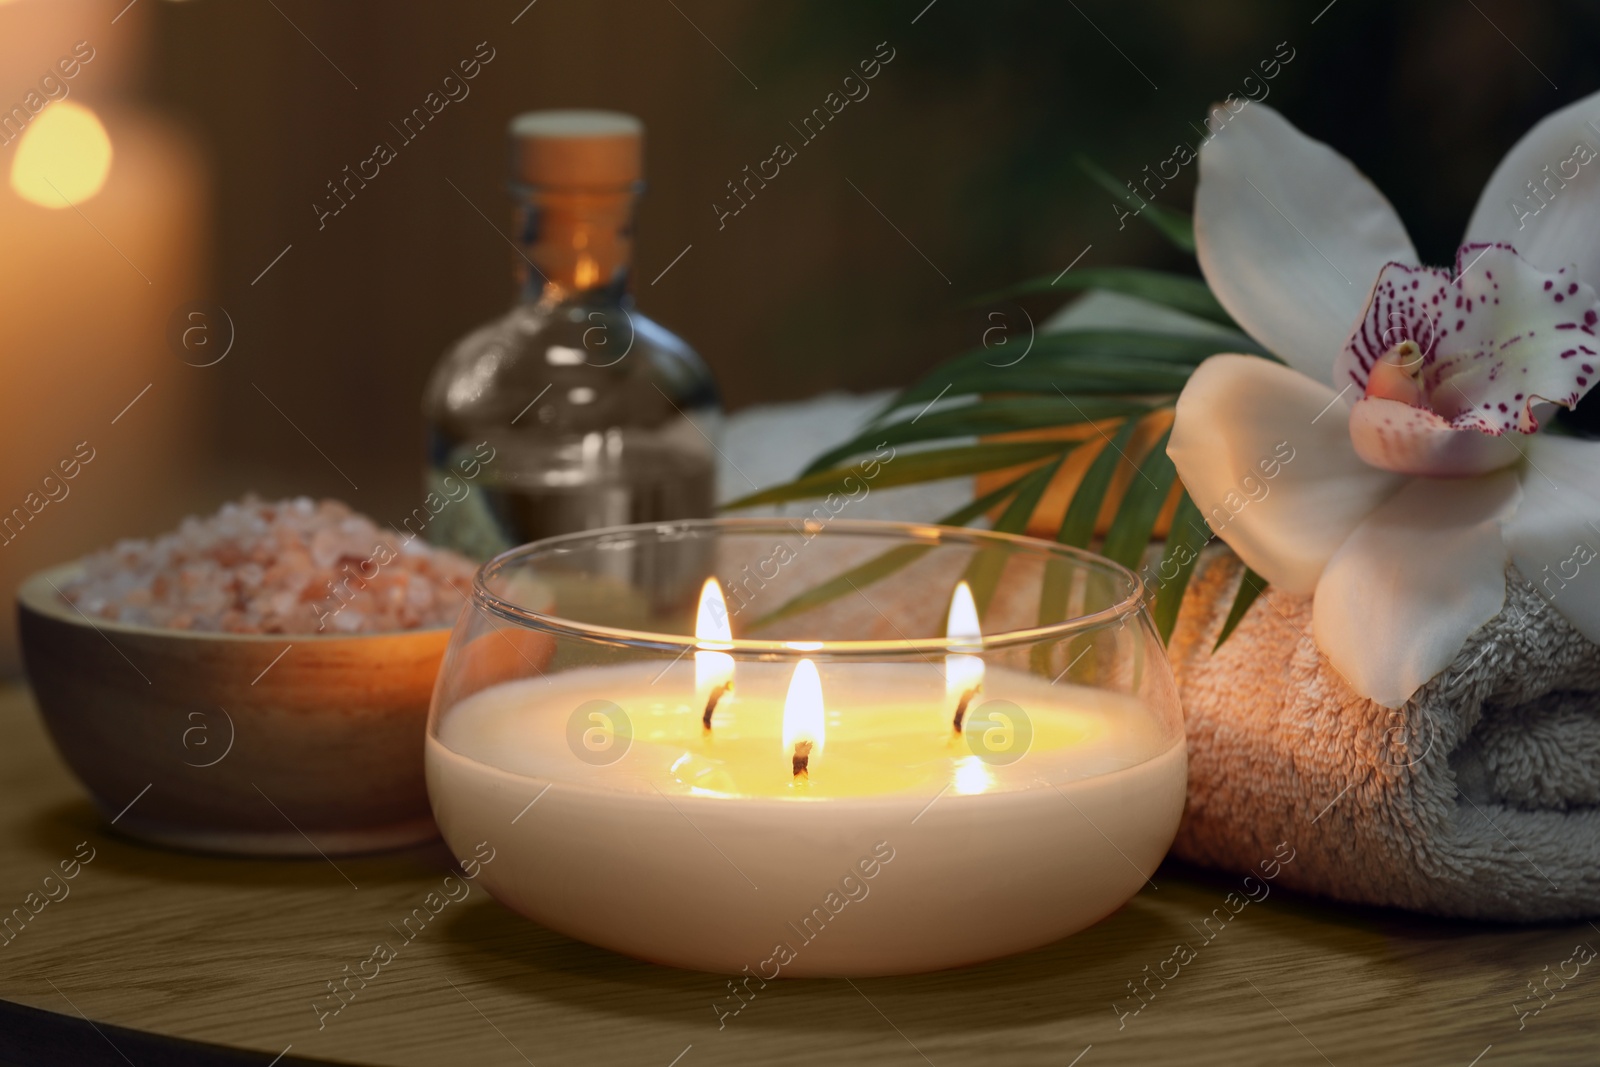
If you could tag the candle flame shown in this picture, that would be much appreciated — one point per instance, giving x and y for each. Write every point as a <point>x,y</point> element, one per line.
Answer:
<point>963,673</point>
<point>803,719</point>
<point>713,669</point>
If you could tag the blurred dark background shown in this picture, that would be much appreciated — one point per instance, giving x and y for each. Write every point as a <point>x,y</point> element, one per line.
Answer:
<point>965,146</point>
<point>966,143</point>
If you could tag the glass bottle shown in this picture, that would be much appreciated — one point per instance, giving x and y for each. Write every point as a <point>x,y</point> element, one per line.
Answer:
<point>573,410</point>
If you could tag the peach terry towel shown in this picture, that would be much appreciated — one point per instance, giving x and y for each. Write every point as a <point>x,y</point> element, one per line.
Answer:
<point>1480,798</point>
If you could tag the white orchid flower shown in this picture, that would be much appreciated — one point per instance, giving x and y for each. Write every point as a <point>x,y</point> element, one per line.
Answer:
<point>1412,396</point>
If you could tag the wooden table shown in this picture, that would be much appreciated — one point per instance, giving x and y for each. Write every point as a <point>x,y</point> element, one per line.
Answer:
<point>161,948</point>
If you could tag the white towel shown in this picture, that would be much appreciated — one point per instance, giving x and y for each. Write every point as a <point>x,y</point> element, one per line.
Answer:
<point>1477,799</point>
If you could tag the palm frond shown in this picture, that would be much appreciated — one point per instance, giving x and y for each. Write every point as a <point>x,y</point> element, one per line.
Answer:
<point>907,469</point>
<point>1103,384</point>
<point>1099,362</point>
<point>983,571</point>
<point>1131,530</point>
<point>1123,377</point>
<point>1187,537</point>
<point>1251,586</point>
<point>1177,291</point>
<point>1170,224</point>
<point>885,564</point>
<point>1083,511</point>
<point>979,418</point>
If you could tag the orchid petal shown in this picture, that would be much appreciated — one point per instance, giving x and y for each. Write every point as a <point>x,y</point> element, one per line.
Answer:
<point>1265,453</point>
<point>1497,337</point>
<point>1401,596</point>
<point>1290,235</point>
<point>1544,197</point>
<point>1519,334</point>
<point>1554,537</point>
<point>1412,440</point>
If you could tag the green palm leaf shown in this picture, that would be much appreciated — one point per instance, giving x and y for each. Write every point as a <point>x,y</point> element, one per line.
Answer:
<point>1177,291</point>
<point>979,418</point>
<point>1112,378</point>
<point>1088,361</point>
<point>1106,376</point>
<point>1130,531</point>
<point>1077,525</point>
<point>1251,586</point>
<point>1077,529</point>
<point>1184,542</point>
<point>1110,345</point>
<point>983,571</point>
<point>1170,224</point>
<point>883,565</point>
<point>911,467</point>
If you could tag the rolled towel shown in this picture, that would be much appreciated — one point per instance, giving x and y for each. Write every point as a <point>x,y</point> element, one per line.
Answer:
<point>1476,799</point>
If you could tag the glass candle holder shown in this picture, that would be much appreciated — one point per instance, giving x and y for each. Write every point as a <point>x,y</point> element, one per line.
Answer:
<point>783,747</point>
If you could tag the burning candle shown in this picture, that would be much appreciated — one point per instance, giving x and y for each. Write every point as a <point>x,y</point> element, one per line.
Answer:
<point>803,724</point>
<point>731,848</point>
<point>713,668</point>
<point>963,672</point>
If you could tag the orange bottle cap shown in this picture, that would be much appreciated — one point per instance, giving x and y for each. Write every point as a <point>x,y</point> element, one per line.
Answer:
<point>576,149</point>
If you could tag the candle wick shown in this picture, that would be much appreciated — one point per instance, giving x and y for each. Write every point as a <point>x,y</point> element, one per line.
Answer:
<point>711,703</point>
<point>961,708</point>
<point>802,759</point>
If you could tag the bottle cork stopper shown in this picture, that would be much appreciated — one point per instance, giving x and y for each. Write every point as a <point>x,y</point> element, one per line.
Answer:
<point>576,149</point>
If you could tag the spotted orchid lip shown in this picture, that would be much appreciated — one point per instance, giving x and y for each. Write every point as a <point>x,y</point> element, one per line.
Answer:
<point>1497,335</point>
<point>1407,439</point>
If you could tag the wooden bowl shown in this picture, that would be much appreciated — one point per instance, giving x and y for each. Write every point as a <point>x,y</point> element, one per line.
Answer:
<point>267,744</point>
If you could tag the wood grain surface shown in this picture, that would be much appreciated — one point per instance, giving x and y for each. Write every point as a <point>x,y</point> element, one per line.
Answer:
<point>238,952</point>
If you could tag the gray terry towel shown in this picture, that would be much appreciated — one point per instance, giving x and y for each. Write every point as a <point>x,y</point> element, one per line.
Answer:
<point>1480,798</point>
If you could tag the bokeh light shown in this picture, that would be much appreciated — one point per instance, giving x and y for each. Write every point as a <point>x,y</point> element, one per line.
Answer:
<point>63,157</point>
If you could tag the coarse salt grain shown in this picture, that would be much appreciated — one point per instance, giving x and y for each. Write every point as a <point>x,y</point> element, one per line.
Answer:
<point>291,566</point>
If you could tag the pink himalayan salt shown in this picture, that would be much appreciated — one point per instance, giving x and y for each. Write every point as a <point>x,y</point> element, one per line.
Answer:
<point>290,567</point>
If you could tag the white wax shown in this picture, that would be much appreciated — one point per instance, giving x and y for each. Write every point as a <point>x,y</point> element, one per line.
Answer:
<point>702,852</point>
